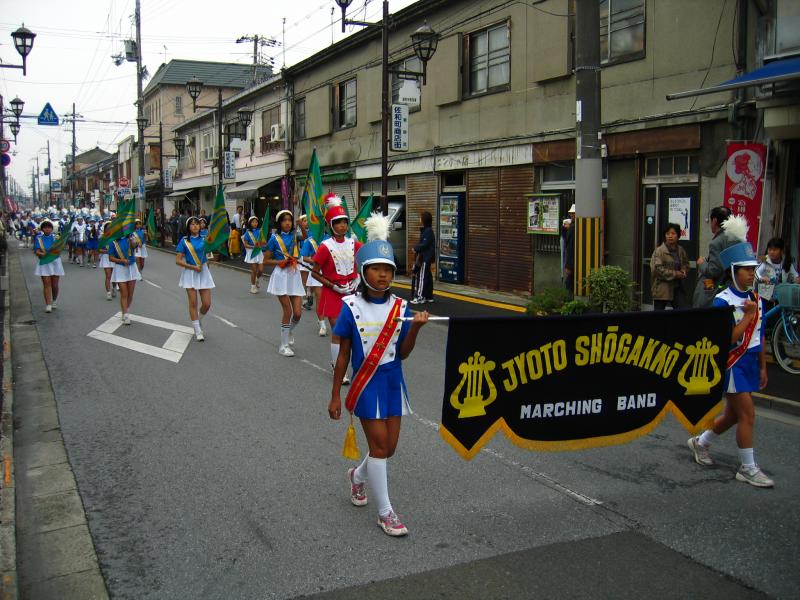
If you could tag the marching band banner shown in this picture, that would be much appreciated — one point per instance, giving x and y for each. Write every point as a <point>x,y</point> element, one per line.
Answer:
<point>567,383</point>
<point>744,184</point>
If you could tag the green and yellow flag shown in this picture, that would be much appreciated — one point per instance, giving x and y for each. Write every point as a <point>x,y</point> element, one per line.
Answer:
<point>312,199</point>
<point>263,236</point>
<point>55,250</point>
<point>151,226</point>
<point>218,229</point>
<point>123,224</point>
<point>359,224</point>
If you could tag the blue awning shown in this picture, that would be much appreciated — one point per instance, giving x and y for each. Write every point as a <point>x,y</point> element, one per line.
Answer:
<point>780,70</point>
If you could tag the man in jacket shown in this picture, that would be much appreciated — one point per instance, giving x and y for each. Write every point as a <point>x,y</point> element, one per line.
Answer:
<point>709,270</point>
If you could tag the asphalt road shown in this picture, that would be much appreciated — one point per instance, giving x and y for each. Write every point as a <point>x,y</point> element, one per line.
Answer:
<point>220,476</point>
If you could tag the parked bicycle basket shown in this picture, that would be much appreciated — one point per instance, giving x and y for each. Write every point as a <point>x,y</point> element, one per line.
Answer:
<point>788,295</point>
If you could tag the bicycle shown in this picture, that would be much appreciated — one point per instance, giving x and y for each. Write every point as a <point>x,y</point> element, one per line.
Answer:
<point>786,331</point>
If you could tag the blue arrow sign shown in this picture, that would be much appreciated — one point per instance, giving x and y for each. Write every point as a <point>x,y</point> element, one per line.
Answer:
<point>48,116</point>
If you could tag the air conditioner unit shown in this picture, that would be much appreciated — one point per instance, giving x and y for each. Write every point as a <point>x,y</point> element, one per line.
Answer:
<point>277,133</point>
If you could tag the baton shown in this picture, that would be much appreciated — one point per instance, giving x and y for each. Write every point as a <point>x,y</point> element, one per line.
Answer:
<point>431,318</point>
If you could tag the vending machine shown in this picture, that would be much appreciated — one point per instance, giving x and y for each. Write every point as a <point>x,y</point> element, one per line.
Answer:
<point>451,238</point>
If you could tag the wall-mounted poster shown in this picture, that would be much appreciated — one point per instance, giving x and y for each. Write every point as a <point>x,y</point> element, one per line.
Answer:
<point>543,214</point>
<point>680,214</point>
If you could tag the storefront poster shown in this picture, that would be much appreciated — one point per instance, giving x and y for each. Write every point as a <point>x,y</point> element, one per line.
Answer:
<point>744,184</point>
<point>680,214</point>
<point>567,383</point>
<point>543,214</point>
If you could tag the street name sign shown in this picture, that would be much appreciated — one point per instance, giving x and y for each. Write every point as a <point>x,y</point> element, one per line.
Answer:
<point>48,116</point>
<point>229,165</point>
<point>399,132</point>
<point>5,145</point>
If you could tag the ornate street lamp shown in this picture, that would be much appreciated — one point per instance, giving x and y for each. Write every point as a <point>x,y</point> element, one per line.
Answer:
<point>23,42</point>
<point>343,4</point>
<point>14,130</point>
<point>425,40</point>
<point>142,123</point>
<point>194,87</point>
<point>245,116</point>
<point>16,106</point>
<point>180,144</point>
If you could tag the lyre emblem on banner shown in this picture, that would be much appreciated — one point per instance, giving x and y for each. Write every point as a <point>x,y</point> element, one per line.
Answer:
<point>475,371</point>
<point>701,357</point>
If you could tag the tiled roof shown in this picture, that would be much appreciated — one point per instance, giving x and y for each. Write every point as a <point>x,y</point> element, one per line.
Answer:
<point>213,74</point>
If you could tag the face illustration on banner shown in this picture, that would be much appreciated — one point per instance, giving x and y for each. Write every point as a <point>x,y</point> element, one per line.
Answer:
<point>744,169</point>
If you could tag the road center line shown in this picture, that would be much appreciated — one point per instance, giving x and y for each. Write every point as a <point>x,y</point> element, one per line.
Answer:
<point>151,283</point>
<point>228,323</point>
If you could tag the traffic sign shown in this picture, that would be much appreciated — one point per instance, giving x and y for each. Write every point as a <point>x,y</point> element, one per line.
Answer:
<point>5,159</point>
<point>48,116</point>
<point>56,186</point>
<point>141,187</point>
<point>5,145</point>
<point>123,182</point>
<point>123,192</point>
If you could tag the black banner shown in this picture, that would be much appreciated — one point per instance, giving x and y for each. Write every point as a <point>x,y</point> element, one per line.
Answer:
<point>566,383</point>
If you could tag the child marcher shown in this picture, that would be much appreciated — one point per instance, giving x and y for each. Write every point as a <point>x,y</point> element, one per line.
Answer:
<point>195,277</point>
<point>125,273</point>
<point>776,268</point>
<point>335,268</point>
<point>372,336</point>
<point>141,245</point>
<point>285,281</point>
<point>108,268</point>
<point>92,241</point>
<point>747,368</point>
<point>251,241</point>
<point>235,243</point>
<point>312,285</point>
<point>49,272</point>
<point>79,227</point>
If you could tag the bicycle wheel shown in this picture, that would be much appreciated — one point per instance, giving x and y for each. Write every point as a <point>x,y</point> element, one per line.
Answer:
<point>786,343</point>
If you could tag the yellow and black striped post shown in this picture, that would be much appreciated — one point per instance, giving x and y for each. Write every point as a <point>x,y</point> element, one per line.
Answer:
<point>588,251</point>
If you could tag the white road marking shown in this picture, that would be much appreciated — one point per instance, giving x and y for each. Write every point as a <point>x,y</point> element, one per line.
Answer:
<point>153,284</point>
<point>228,323</point>
<point>311,364</point>
<point>172,350</point>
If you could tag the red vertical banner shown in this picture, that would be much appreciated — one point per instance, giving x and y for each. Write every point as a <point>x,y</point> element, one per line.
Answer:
<point>745,171</point>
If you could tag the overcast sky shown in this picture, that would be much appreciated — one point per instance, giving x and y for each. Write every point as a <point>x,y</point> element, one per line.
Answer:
<point>71,57</point>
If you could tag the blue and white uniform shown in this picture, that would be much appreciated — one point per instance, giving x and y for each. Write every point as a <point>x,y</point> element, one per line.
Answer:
<point>52,268</point>
<point>141,249</point>
<point>308,250</point>
<point>288,281</point>
<point>191,279</point>
<point>92,236</point>
<point>250,238</point>
<point>361,320</point>
<point>745,375</point>
<point>128,272</point>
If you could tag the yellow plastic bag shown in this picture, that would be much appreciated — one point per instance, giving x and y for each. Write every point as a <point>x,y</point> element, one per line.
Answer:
<point>350,448</point>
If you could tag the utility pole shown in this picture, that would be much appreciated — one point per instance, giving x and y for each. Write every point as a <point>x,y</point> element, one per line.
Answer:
<point>259,41</point>
<point>139,105</point>
<point>74,151</point>
<point>49,176</point>
<point>588,253</point>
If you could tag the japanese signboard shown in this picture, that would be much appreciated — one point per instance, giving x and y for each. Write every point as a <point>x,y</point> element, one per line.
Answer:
<point>744,183</point>
<point>229,165</point>
<point>399,128</point>
<point>543,214</point>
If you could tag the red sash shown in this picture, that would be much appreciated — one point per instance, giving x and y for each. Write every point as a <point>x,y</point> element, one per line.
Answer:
<point>371,362</point>
<point>735,354</point>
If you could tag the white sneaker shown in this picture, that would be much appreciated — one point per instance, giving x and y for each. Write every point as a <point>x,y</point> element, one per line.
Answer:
<point>126,319</point>
<point>754,476</point>
<point>94,266</point>
<point>55,304</point>
<point>48,309</point>
<point>323,330</point>
<point>198,335</point>
<point>254,289</point>
<point>291,339</point>
<point>108,295</point>
<point>285,351</point>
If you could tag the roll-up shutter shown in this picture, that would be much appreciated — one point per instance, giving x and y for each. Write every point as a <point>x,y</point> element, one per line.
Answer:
<point>483,228</point>
<point>346,189</point>
<point>421,194</point>
<point>515,251</point>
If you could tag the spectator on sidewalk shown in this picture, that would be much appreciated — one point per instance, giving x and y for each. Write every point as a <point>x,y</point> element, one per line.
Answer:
<point>568,238</point>
<point>669,267</point>
<point>425,255</point>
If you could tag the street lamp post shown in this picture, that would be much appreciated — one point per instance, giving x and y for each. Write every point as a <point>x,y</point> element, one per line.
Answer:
<point>194,88</point>
<point>424,40</point>
<point>23,42</point>
<point>16,111</point>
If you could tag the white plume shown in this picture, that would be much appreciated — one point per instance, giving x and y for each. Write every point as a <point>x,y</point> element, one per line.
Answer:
<point>333,201</point>
<point>736,227</point>
<point>377,227</point>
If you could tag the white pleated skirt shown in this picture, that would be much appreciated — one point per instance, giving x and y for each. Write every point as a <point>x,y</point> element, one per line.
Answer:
<point>250,260</point>
<point>122,273</point>
<point>191,279</point>
<point>105,263</point>
<point>140,252</point>
<point>286,282</point>
<point>311,282</point>
<point>52,268</point>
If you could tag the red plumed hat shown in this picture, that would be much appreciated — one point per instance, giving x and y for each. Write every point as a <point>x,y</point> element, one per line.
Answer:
<point>333,209</point>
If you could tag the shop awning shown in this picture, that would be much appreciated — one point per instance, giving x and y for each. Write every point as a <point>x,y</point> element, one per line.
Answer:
<point>779,70</point>
<point>180,193</point>
<point>249,189</point>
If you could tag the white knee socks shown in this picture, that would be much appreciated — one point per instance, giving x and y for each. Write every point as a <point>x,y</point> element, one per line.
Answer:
<point>284,335</point>
<point>747,457</point>
<point>360,474</point>
<point>196,325</point>
<point>379,484</point>
<point>707,437</point>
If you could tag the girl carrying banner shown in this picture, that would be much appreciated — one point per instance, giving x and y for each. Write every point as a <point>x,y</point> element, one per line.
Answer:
<point>48,270</point>
<point>312,285</point>
<point>252,240</point>
<point>373,336</point>
<point>285,282</point>
<point>336,268</point>
<point>195,277</point>
<point>125,273</point>
<point>141,247</point>
<point>92,241</point>
<point>108,267</point>
<point>747,366</point>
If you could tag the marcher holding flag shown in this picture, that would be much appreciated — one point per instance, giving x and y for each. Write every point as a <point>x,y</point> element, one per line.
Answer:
<point>122,225</point>
<point>307,252</point>
<point>253,245</point>
<point>121,252</point>
<point>218,229</point>
<point>285,282</point>
<point>195,277</point>
<point>141,250</point>
<point>49,267</point>
<point>373,337</point>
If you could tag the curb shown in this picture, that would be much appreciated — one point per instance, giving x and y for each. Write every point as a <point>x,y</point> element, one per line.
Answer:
<point>778,404</point>
<point>8,521</point>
